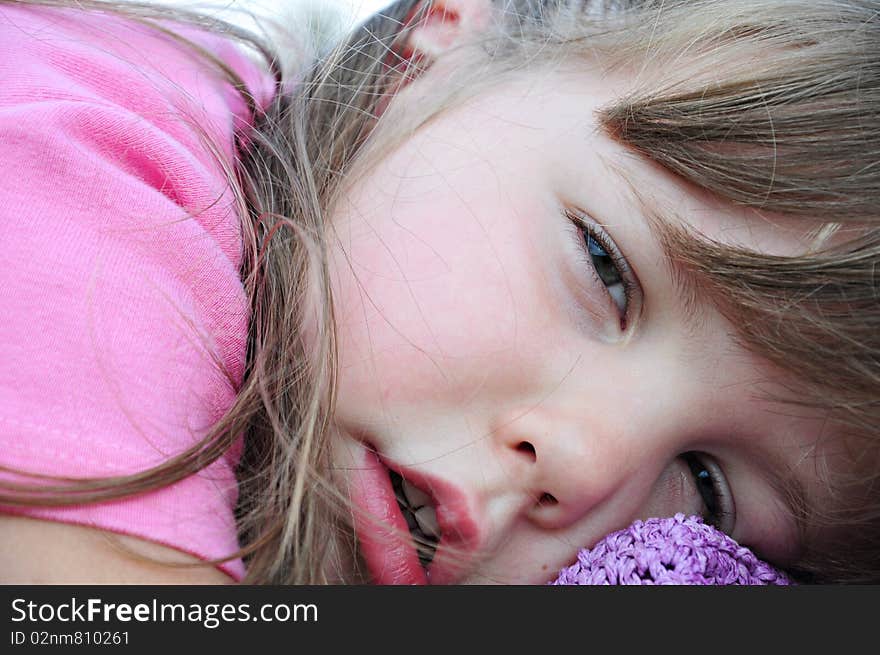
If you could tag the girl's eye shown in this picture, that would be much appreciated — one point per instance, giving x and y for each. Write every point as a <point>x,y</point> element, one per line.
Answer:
<point>607,271</point>
<point>713,489</point>
<point>607,265</point>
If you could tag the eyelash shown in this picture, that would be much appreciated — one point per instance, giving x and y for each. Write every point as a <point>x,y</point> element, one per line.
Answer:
<point>720,509</point>
<point>585,228</point>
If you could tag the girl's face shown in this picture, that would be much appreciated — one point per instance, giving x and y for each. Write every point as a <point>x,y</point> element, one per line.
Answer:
<point>490,356</point>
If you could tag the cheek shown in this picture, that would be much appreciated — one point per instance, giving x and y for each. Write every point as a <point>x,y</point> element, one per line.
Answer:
<point>433,298</point>
<point>421,310</point>
<point>437,280</point>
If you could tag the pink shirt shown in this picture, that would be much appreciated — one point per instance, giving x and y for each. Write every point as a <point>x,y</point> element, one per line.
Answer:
<point>124,320</point>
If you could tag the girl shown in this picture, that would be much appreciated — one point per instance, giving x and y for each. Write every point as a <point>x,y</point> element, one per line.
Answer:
<point>483,284</point>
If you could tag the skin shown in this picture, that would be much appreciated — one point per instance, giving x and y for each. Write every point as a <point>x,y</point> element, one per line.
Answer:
<point>44,552</point>
<point>476,345</point>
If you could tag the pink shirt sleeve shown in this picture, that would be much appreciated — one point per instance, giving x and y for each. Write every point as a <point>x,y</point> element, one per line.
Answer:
<point>124,324</point>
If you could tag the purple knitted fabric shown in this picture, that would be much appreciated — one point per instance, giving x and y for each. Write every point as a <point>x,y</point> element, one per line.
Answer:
<point>669,551</point>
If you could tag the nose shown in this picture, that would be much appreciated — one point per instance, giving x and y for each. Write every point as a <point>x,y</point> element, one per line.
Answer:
<point>564,465</point>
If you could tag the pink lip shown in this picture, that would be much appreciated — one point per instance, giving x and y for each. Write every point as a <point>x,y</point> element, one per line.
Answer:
<point>460,535</point>
<point>381,528</point>
<point>384,539</point>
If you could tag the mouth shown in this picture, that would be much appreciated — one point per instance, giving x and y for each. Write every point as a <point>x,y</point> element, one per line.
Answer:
<point>406,534</point>
<point>420,513</point>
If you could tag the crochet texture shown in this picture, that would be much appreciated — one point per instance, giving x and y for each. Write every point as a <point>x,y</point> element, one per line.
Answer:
<point>669,551</point>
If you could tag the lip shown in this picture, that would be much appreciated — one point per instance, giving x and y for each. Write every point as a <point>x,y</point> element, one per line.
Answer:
<point>384,539</point>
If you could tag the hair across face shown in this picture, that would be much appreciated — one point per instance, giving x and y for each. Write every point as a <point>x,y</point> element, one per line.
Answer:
<point>738,233</point>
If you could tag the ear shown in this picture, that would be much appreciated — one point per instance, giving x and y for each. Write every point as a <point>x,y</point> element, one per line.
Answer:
<point>438,25</point>
<point>431,29</point>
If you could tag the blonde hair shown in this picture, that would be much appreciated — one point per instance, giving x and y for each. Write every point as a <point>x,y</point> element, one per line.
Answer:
<point>768,104</point>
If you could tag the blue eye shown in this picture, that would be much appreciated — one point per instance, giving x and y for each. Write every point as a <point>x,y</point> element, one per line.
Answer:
<point>713,489</point>
<point>608,267</point>
<point>603,263</point>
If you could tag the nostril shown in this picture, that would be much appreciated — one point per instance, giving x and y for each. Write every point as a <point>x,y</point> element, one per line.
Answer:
<point>527,449</point>
<point>547,499</point>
